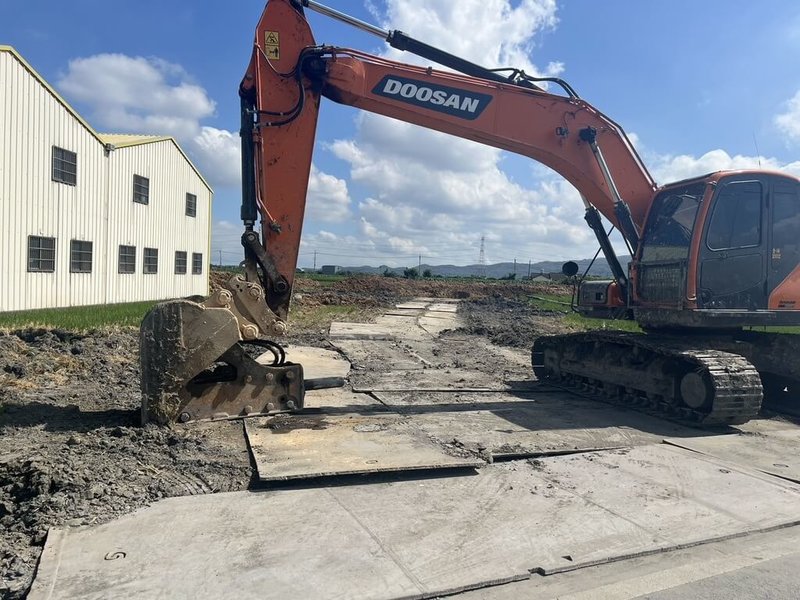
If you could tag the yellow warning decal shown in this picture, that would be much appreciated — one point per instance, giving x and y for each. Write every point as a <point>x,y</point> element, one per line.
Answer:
<point>272,45</point>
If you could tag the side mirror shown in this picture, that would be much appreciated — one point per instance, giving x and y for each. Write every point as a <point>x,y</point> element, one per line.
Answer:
<point>569,268</point>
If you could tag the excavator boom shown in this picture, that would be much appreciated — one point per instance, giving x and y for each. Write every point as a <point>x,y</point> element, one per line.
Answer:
<point>511,114</point>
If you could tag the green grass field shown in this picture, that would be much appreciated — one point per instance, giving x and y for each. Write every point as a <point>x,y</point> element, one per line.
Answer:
<point>561,303</point>
<point>78,318</point>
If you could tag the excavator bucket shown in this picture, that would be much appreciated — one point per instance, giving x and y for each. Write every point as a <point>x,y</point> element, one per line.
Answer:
<point>195,366</point>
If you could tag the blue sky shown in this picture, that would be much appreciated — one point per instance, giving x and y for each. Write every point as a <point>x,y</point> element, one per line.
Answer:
<point>699,85</point>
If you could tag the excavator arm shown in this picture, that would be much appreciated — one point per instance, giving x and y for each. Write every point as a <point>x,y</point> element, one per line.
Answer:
<point>288,74</point>
<point>194,363</point>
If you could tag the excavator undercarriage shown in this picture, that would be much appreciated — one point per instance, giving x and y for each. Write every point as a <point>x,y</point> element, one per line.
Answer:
<point>703,380</point>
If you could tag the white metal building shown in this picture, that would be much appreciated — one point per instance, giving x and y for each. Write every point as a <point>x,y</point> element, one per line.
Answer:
<point>90,218</point>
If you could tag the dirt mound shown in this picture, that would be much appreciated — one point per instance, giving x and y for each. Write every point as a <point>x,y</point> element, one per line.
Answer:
<point>508,321</point>
<point>379,291</point>
<point>397,287</point>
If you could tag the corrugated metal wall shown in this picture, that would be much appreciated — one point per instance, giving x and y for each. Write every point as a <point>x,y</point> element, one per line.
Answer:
<point>161,224</point>
<point>99,208</point>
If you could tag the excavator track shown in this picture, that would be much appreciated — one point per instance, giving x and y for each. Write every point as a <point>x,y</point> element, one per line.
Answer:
<point>681,379</point>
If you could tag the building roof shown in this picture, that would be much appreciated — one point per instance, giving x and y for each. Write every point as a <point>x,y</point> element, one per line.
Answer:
<point>118,140</point>
<point>121,140</point>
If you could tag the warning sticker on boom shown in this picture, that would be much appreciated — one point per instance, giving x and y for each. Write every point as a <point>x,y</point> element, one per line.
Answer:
<point>272,45</point>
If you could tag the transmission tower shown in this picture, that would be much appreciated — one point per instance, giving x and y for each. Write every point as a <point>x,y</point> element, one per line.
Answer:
<point>482,258</point>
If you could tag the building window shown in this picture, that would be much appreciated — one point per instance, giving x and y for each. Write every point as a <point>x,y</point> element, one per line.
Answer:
<point>65,166</point>
<point>127,259</point>
<point>180,262</point>
<point>41,254</point>
<point>191,205</point>
<point>80,256</point>
<point>141,189</point>
<point>197,263</point>
<point>151,260</point>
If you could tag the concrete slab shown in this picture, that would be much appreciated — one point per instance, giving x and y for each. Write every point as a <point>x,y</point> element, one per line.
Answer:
<point>519,424</point>
<point>440,323</point>
<point>360,331</point>
<point>525,430</point>
<point>307,446</point>
<point>402,327</point>
<point>411,401</point>
<point>741,568</point>
<point>340,400</point>
<point>317,362</point>
<point>669,493</point>
<point>443,307</point>
<point>415,305</point>
<point>444,535</point>
<point>239,544</point>
<point>775,451</point>
<point>407,313</point>
<point>399,380</point>
<point>390,353</point>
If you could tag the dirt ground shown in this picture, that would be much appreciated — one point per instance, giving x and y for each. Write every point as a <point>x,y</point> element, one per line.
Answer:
<point>72,451</point>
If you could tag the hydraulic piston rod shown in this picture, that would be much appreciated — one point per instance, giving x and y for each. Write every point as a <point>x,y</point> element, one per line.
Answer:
<point>401,41</point>
<point>340,16</point>
<point>621,209</point>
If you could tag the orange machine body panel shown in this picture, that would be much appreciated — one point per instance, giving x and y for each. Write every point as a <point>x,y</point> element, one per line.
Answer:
<point>529,122</point>
<point>787,295</point>
<point>282,152</point>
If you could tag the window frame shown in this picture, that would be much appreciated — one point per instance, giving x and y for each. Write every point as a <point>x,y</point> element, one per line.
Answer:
<point>130,266</point>
<point>147,267</point>
<point>59,161</point>
<point>197,263</point>
<point>191,205</point>
<point>79,264</point>
<point>185,258</point>
<point>141,189</point>
<point>39,259</point>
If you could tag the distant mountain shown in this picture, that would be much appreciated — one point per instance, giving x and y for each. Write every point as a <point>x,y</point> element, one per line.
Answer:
<point>495,271</point>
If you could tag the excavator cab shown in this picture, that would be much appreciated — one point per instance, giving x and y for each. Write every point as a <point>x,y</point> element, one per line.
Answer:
<point>721,251</point>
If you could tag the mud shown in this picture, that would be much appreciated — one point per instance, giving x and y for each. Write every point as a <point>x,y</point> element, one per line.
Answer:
<point>506,319</point>
<point>71,448</point>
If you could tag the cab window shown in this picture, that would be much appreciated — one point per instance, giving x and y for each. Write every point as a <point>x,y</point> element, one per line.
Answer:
<point>736,220</point>
<point>671,222</point>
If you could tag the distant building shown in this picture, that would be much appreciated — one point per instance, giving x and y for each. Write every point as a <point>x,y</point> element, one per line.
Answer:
<point>329,269</point>
<point>90,218</point>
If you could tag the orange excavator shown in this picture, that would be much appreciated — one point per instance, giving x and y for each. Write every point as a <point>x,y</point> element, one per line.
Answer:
<point>713,260</point>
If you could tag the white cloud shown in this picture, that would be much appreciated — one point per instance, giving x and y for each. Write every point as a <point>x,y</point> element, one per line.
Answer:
<point>154,96</point>
<point>789,122</point>
<point>218,151</point>
<point>487,32</point>
<point>135,87</point>
<point>328,200</point>
<point>667,168</point>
